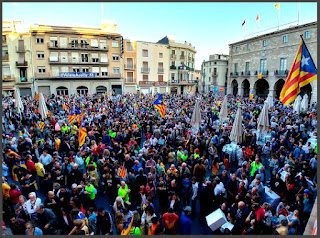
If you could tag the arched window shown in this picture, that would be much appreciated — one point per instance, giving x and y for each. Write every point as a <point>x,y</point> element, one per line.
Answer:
<point>62,91</point>
<point>82,90</point>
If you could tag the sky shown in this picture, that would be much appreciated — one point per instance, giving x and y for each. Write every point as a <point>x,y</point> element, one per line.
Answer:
<point>210,27</point>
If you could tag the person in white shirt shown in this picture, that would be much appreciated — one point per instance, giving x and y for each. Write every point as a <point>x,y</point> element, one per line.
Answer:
<point>32,204</point>
<point>153,141</point>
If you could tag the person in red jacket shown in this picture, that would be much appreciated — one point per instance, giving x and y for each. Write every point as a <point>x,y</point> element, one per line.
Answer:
<point>170,221</point>
<point>30,165</point>
<point>14,193</point>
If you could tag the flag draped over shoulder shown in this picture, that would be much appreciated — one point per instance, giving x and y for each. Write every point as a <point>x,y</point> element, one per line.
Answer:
<point>159,104</point>
<point>127,228</point>
<point>82,133</point>
<point>302,73</point>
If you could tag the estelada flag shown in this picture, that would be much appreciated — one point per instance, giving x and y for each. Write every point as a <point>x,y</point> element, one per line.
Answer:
<point>80,118</point>
<point>260,74</point>
<point>122,172</point>
<point>159,104</point>
<point>127,228</point>
<point>301,74</point>
<point>82,133</point>
<point>12,153</point>
<point>72,116</point>
<point>257,18</point>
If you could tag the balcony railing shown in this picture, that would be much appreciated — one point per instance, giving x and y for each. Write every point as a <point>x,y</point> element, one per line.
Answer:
<point>234,74</point>
<point>173,56</point>
<point>192,69</point>
<point>173,67</point>
<point>129,66</point>
<point>76,62</point>
<point>76,46</point>
<point>145,70</point>
<point>146,83</point>
<point>130,80</point>
<point>160,70</point>
<point>23,79</point>
<point>182,82</point>
<point>22,64</point>
<point>281,73</point>
<point>7,78</point>
<point>20,49</point>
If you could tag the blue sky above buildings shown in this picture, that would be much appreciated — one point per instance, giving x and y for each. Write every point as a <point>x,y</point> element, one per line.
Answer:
<point>210,27</point>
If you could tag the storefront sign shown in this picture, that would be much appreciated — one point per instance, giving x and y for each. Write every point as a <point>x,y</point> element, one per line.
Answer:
<point>77,75</point>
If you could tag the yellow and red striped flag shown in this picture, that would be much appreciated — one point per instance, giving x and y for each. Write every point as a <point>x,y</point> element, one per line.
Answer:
<point>41,125</point>
<point>122,172</point>
<point>72,117</point>
<point>159,104</point>
<point>79,119</point>
<point>302,73</point>
<point>82,133</point>
<point>277,5</point>
<point>36,96</point>
<point>64,107</point>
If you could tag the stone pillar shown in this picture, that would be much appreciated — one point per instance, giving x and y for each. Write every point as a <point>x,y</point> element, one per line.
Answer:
<point>240,91</point>
<point>272,91</point>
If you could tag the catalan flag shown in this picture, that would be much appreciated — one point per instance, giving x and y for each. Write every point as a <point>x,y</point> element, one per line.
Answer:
<point>159,104</point>
<point>127,228</point>
<point>122,172</point>
<point>80,118</point>
<point>12,153</point>
<point>277,5</point>
<point>72,116</point>
<point>41,125</point>
<point>64,107</point>
<point>82,133</point>
<point>18,165</point>
<point>260,74</point>
<point>301,74</point>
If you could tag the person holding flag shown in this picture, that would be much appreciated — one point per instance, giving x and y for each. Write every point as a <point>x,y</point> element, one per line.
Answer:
<point>159,104</point>
<point>72,116</point>
<point>302,73</point>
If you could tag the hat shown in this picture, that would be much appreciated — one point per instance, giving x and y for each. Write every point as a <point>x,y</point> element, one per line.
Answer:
<point>306,191</point>
<point>74,186</point>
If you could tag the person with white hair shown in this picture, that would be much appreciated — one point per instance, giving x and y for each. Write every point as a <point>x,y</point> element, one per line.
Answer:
<point>118,205</point>
<point>32,204</point>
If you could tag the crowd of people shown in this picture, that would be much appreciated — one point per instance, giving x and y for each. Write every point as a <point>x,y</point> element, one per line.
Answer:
<point>155,175</point>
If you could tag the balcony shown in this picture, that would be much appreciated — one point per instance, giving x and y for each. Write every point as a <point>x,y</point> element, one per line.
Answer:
<point>145,70</point>
<point>265,72</point>
<point>7,78</point>
<point>20,49</point>
<point>76,46</point>
<point>130,81</point>
<point>146,83</point>
<point>129,67</point>
<point>23,79</point>
<point>173,56</point>
<point>281,73</point>
<point>5,58</point>
<point>160,70</point>
<point>182,57</point>
<point>160,83</point>
<point>53,62</point>
<point>22,64</point>
<point>214,74</point>
<point>182,82</point>
<point>234,74</point>
<point>173,67</point>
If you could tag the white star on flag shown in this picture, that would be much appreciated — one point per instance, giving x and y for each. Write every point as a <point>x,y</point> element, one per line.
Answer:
<point>304,61</point>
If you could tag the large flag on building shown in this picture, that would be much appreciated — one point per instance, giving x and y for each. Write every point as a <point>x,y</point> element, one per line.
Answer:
<point>159,104</point>
<point>82,133</point>
<point>302,73</point>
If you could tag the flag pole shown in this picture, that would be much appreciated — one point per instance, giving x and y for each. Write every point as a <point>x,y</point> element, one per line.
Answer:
<point>278,18</point>
<point>298,11</point>
<point>308,50</point>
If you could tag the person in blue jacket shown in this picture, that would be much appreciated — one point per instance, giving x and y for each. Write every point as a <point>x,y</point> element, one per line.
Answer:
<point>185,221</point>
<point>31,230</point>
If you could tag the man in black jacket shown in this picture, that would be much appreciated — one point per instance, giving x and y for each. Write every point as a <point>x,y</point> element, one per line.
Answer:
<point>104,223</point>
<point>53,202</point>
<point>74,176</point>
<point>47,220</point>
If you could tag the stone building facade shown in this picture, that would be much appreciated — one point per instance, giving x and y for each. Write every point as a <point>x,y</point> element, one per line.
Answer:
<point>273,55</point>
